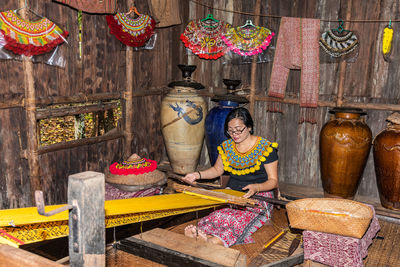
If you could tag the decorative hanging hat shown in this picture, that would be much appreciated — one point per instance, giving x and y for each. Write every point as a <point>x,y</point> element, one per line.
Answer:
<point>29,38</point>
<point>247,41</point>
<point>337,44</point>
<point>131,32</point>
<point>135,174</point>
<point>204,38</point>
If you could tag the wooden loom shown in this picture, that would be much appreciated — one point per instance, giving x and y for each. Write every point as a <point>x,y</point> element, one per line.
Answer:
<point>25,225</point>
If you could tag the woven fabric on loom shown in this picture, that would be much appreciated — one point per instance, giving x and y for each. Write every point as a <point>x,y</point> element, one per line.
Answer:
<point>297,48</point>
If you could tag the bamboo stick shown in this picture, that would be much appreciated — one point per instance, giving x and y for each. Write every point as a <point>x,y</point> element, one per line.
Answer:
<point>343,65</point>
<point>254,64</point>
<point>61,112</point>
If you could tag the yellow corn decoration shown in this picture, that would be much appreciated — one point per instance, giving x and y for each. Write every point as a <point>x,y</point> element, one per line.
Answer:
<point>387,41</point>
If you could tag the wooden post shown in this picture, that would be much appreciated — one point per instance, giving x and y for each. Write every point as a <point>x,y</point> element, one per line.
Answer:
<point>343,65</point>
<point>128,103</point>
<point>31,126</point>
<point>254,63</point>
<point>86,219</point>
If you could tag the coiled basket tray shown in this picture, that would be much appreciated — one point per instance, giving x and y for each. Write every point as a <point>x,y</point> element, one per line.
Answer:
<point>330,215</point>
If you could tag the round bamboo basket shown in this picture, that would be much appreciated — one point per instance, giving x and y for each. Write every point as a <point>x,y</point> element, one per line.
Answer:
<point>330,215</point>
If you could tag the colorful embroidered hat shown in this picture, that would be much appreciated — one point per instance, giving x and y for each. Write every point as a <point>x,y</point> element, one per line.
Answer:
<point>28,38</point>
<point>338,45</point>
<point>131,32</point>
<point>135,174</point>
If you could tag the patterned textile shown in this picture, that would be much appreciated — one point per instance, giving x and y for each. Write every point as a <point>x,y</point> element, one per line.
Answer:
<point>29,38</point>
<point>244,163</point>
<point>297,48</point>
<point>92,6</point>
<point>204,38</point>
<point>135,166</point>
<point>247,41</point>
<point>235,226</point>
<point>112,193</point>
<point>336,250</point>
<point>131,32</point>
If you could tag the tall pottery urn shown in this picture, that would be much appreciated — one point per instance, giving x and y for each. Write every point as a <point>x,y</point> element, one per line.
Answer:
<point>386,149</point>
<point>344,144</point>
<point>215,120</point>
<point>183,114</point>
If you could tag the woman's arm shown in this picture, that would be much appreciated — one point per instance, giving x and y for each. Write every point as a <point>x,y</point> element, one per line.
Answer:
<point>213,172</point>
<point>271,183</point>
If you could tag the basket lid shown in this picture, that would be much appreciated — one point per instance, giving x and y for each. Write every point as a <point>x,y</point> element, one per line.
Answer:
<point>348,110</point>
<point>394,118</point>
<point>187,81</point>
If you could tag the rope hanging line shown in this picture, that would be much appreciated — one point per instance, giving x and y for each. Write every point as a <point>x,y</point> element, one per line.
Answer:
<point>276,16</point>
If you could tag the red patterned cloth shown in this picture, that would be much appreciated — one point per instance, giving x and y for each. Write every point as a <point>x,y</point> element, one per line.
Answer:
<point>297,48</point>
<point>112,193</point>
<point>235,226</point>
<point>337,250</point>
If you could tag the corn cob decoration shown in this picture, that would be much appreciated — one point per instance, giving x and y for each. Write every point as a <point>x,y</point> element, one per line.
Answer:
<point>387,42</point>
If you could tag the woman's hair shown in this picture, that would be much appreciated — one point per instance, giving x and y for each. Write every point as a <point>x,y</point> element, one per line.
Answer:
<point>240,113</point>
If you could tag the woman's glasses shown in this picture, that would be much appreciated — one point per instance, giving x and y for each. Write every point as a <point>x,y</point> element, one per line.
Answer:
<point>235,132</point>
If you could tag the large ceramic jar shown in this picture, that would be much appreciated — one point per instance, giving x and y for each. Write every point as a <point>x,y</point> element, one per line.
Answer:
<point>215,120</point>
<point>344,145</point>
<point>183,114</point>
<point>387,163</point>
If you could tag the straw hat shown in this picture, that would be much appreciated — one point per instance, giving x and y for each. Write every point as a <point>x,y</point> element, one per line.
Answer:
<point>135,174</point>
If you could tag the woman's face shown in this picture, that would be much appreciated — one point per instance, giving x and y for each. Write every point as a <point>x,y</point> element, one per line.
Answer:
<point>238,130</point>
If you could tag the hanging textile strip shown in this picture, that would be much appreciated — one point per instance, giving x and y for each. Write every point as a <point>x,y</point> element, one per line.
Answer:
<point>297,48</point>
<point>247,41</point>
<point>92,6</point>
<point>204,38</point>
<point>337,45</point>
<point>131,32</point>
<point>29,38</point>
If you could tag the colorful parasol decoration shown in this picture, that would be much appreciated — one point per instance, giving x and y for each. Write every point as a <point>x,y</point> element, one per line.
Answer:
<point>131,32</point>
<point>204,38</point>
<point>246,41</point>
<point>29,38</point>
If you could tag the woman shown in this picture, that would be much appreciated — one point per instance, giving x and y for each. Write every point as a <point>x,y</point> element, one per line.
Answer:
<point>252,162</point>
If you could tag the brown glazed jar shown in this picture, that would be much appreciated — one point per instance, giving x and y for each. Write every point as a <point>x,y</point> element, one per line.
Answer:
<point>387,163</point>
<point>344,145</point>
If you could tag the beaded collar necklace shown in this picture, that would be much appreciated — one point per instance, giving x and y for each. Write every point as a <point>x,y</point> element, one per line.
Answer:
<point>338,45</point>
<point>247,41</point>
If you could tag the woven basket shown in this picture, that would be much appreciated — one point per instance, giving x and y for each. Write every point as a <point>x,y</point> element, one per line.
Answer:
<point>330,215</point>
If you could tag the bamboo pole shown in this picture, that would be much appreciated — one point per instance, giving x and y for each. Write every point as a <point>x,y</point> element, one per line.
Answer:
<point>343,65</point>
<point>254,63</point>
<point>30,108</point>
<point>128,98</point>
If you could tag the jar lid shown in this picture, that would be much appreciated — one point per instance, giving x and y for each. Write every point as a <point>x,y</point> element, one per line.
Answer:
<point>234,98</point>
<point>394,118</point>
<point>187,81</point>
<point>348,110</point>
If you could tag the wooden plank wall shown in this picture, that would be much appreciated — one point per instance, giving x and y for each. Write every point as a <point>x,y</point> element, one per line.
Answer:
<point>103,69</point>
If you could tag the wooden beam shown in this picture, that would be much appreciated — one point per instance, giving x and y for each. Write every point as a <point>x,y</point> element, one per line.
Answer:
<point>257,8</point>
<point>10,256</point>
<point>70,111</point>
<point>111,135</point>
<point>78,98</point>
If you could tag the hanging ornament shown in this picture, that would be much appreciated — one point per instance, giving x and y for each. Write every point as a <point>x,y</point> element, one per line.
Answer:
<point>338,44</point>
<point>387,41</point>
<point>29,38</point>
<point>248,39</point>
<point>204,37</point>
<point>133,32</point>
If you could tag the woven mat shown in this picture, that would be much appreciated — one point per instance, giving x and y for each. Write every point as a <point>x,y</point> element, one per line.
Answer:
<point>385,252</point>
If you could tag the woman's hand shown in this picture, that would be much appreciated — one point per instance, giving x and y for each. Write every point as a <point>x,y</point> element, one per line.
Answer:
<point>190,178</point>
<point>253,188</point>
